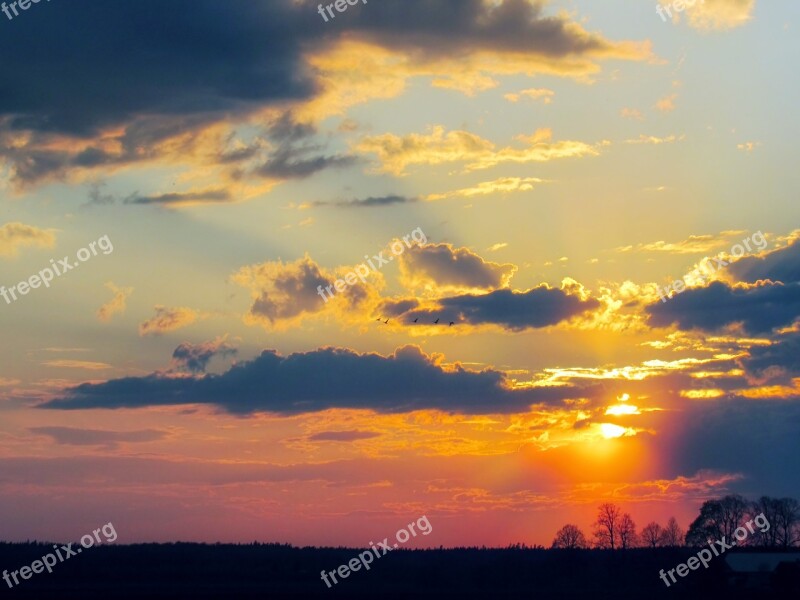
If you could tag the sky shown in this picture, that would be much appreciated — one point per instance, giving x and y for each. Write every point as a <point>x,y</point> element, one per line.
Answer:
<point>597,298</point>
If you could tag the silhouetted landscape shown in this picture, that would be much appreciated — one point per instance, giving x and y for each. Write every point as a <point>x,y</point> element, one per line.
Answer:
<point>282,571</point>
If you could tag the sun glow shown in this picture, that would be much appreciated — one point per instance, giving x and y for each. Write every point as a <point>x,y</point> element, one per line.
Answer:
<point>610,431</point>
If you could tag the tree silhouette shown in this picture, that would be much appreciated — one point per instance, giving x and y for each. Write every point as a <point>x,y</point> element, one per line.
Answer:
<point>606,532</point>
<point>652,535</point>
<point>718,519</point>
<point>673,534</point>
<point>783,515</point>
<point>627,532</point>
<point>570,537</point>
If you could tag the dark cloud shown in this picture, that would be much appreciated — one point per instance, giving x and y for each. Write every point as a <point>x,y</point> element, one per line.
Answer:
<point>782,265</point>
<point>195,357</point>
<point>756,438</point>
<point>539,307</point>
<point>159,70</point>
<point>343,436</point>
<point>322,379</point>
<point>448,266</point>
<point>759,309</point>
<point>370,202</point>
<point>180,198</point>
<point>176,58</point>
<point>777,363</point>
<point>293,163</point>
<point>395,308</point>
<point>97,437</point>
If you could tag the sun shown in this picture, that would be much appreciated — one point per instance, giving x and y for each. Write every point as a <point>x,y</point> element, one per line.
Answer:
<point>610,431</point>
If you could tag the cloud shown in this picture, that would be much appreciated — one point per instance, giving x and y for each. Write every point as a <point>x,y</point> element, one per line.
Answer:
<point>274,58</point>
<point>444,266</point>
<point>396,153</point>
<point>543,94</point>
<point>782,264</point>
<point>168,319</point>
<point>650,139</point>
<point>78,364</point>
<point>194,358</point>
<point>694,244</point>
<point>199,197</point>
<point>283,291</point>
<point>504,185</point>
<point>516,311</point>
<point>343,436</point>
<point>405,381</point>
<point>370,202</point>
<point>116,304</point>
<point>777,363</point>
<point>748,146</point>
<point>97,437</point>
<point>667,103</point>
<point>15,235</point>
<point>758,308</point>
<point>719,14</point>
<point>631,113</point>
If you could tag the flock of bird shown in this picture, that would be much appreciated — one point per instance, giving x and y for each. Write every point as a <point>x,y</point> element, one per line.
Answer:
<point>436,322</point>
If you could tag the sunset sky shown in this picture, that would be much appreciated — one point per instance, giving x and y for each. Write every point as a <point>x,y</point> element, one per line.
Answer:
<point>560,162</point>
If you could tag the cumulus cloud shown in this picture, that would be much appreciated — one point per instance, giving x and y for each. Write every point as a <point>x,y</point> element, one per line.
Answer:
<point>782,264</point>
<point>117,304</point>
<point>516,311</point>
<point>445,266</point>
<point>168,319</point>
<point>194,358</point>
<point>404,381</point>
<point>283,291</point>
<point>15,235</point>
<point>719,14</point>
<point>755,308</point>
<point>273,56</point>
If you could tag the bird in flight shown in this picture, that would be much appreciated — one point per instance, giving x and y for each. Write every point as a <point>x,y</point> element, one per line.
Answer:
<point>417,319</point>
<point>386,322</point>
<point>436,321</point>
<point>451,324</point>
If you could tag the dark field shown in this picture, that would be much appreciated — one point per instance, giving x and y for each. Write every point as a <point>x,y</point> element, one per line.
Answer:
<point>280,571</point>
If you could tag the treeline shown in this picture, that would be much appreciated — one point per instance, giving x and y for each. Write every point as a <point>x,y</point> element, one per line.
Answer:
<point>769,523</point>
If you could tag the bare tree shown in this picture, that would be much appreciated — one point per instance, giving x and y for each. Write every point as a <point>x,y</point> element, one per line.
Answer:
<point>673,534</point>
<point>770,508</point>
<point>606,532</point>
<point>627,532</point>
<point>652,535</point>
<point>570,537</point>
<point>787,522</point>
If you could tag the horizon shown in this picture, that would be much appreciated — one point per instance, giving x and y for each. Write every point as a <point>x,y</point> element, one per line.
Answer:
<point>269,275</point>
